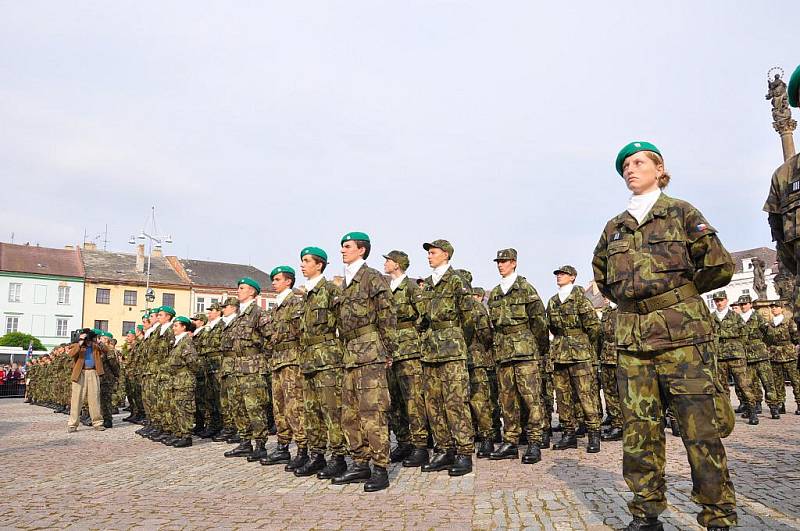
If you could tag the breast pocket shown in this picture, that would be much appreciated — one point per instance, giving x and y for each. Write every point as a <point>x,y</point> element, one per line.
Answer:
<point>619,262</point>
<point>668,253</point>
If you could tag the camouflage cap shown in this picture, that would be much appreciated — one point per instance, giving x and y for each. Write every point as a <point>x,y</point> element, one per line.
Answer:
<point>444,245</point>
<point>566,269</point>
<point>720,295</point>
<point>250,282</point>
<point>506,254</point>
<point>231,301</point>
<point>793,89</point>
<point>776,304</point>
<point>399,257</point>
<point>216,306</point>
<point>463,273</point>
<point>479,291</point>
<point>745,299</point>
<point>200,317</point>
<point>630,149</point>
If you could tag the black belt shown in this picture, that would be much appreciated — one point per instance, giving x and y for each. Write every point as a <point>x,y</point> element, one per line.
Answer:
<point>441,325</point>
<point>659,302</point>
<point>88,369</point>
<point>352,334</point>
<point>316,340</point>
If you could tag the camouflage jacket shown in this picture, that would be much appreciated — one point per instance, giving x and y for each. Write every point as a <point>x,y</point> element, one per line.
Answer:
<point>159,349</point>
<point>321,348</point>
<point>783,206</point>
<point>575,328</point>
<point>673,246</point>
<point>183,363</point>
<point>212,346</point>
<point>608,348</point>
<point>285,327</point>
<point>480,338</point>
<point>367,319</point>
<point>111,368</point>
<point>730,333</point>
<point>149,361</point>
<point>228,357</point>
<point>246,339</point>
<point>519,321</point>
<point>755,336</point>
<point>782,340</point>
<point>409,306</point>
<point>448,310</point>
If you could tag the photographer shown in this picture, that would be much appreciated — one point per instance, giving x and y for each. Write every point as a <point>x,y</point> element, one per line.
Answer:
<point>87,357</point>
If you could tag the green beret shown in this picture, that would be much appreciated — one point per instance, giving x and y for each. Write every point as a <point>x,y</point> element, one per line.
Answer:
<point>167,309</point>
<point>139,327</point>
<point>108,335</point>
<point>97,331</point>
<point>131,332</point>
<point>355,236</point>
<point>630,149</point>
<point>281,269</point>
<point>250,282</point>
<point>183,319</point>
<point>314,251</point>
<point>793,89</point>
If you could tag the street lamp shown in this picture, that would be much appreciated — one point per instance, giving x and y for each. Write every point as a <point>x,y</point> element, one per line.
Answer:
<point>154,242</point>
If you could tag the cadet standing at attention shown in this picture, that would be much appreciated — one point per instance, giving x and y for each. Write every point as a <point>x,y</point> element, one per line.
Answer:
<point>367,324</point>
<point>520,339</point>
<point>758,365</point>
<point>228,390</point>
<point>653,260</point>
<point>782,339</point>
<point>608,373</point>
<point>183,364</point>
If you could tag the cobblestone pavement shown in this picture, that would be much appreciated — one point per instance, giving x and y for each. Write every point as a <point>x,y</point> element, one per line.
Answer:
<point>117,480</point>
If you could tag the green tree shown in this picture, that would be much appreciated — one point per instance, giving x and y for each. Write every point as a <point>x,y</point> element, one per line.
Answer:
<point>18,339</point>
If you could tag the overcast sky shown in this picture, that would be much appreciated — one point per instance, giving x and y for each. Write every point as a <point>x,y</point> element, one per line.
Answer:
<point>258,128</point>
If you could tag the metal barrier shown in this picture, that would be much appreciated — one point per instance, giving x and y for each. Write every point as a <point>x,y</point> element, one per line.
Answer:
<point>12,390</point>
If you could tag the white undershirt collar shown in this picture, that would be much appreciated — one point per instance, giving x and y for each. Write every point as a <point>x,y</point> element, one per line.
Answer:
<point>395,282</point>
<point>507,282</point>
<point>640,205</point>
<point>350,270</point>
<point>179,337</point>
<point>282,295</point>
<point>313,282</point>
<point>438,272</point>
<point>565,291</point>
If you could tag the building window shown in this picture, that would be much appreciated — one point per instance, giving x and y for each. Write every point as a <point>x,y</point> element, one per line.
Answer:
<point>101,325</point>
<point>61,327</point>
<point>745,291</point>
<point>214,301</point>
<point>710,301</point>
<point>63,294</point>
<point>168,299</point>
<point>200,307</point>
<point>12,324</point>
<point>127,325</point>
<point>271,305</point>
<point>129,298</point>
<point>14,292</point>
<point>103,296</point>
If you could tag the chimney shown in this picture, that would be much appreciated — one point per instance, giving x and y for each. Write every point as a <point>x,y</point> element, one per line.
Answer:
<point>68,247</point>
<point>157,252</point>
<point>90,246</point>
<point>140,258</point>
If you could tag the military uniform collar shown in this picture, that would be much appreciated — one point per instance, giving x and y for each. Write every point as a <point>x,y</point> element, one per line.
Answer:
<point>314,283</point>
<point>659,210</point>
<point>283,295</point>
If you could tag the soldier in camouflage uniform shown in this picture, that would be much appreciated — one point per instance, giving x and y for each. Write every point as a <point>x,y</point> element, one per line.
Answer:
<point>109,379</point>
<point>653,260</point>
<point>782,339</point>
<point>146,370</point>
<point>608,372</point>
<point>576,335</point>
<point>367,325</point>
<point>520,339</point>
<point>758,365</point>
<point>182,363</point>
<point>202,407</point>
<point>731,359</point>
<point>322,369</point>
<point>449,309</point>
<point>133,388</point>
<point>247,332</point>
<point>782,206</point>
<point>228,390</point>
<point>161,343</point>
<point>211,354</point>
<point>407,418</point>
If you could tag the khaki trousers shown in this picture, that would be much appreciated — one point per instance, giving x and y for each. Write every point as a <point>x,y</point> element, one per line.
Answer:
<point>87,387</point>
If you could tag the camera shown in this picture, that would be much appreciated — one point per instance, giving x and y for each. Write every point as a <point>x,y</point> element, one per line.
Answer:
<point>75,337</point>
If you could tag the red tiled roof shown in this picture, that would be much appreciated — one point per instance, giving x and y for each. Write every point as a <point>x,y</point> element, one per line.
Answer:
<point>41,260</point>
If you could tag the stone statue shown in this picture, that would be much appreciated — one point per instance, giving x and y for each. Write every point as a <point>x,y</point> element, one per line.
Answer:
<point>776,92</point>
<point>759,283</point>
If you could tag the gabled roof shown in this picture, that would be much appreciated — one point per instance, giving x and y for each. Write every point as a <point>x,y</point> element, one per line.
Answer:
<point>769,256</point>
<point>207,274</point>
<point>40,260</point>
<point>121,267</point>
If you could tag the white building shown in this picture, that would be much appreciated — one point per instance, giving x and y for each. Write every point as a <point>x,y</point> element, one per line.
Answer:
<point>41,292</point>
<point>742,281</point>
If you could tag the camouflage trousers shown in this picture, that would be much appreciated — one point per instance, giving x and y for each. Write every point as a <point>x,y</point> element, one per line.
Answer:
<point>520,383</point>
<point>322,395</point>
<point>207,400</point>
<point>288,405</point>
<point>180,415</point>
<point>365,409</point>
<point>760,373</point>
<point>161,403</point>
<point>684,379</point>
<point>107,386</point>
<point>407,417</point>
<point>608,375</point>
<point>133,389</point>
<point>118,398</point>
<point>782,371</point>
<point>227,397</point>
<point>483,402</point>
<point>447,403</point>
<point>249,406</point>
<point>738,369</point>
<point>147,395</point>
<point>574,381</point>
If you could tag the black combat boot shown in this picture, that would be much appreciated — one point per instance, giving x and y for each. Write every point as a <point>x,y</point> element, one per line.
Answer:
<point>783,408</point>
<point>244,449</point>
<point>400,452</point>
<point>532,455</point>
<point>336,467</point>
<point>746,412</point>
<point>440,461</point>
<point>208,433</point>
<point>774,412</point>
<point>313,465</point>
<point>739,408</point>
<point>462,466</point>
<point>280,456</point>
<point>234,438</point>
<point>593,445</point>
<point>753,418</point>
<point>581,431</point>
<point>108,423</point>
<point>612,434</point>
<point>222,436</point>
<point>356,474</point>
<point>378,480</point>
<point>259,452</point>
<point>758,408</point>
<point>160,436</point>
<point>606,421</point>
<point>129,418</point>
<point>299,460</point>
<point>182,442</point>
<point>198,429</point>
<point>485,448</point>
<point>418,457</point>
<point>506,451</point>
<point>645,524</point>
<point>568,440</point>
<point>169,441</point>
<point>545,440</point>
